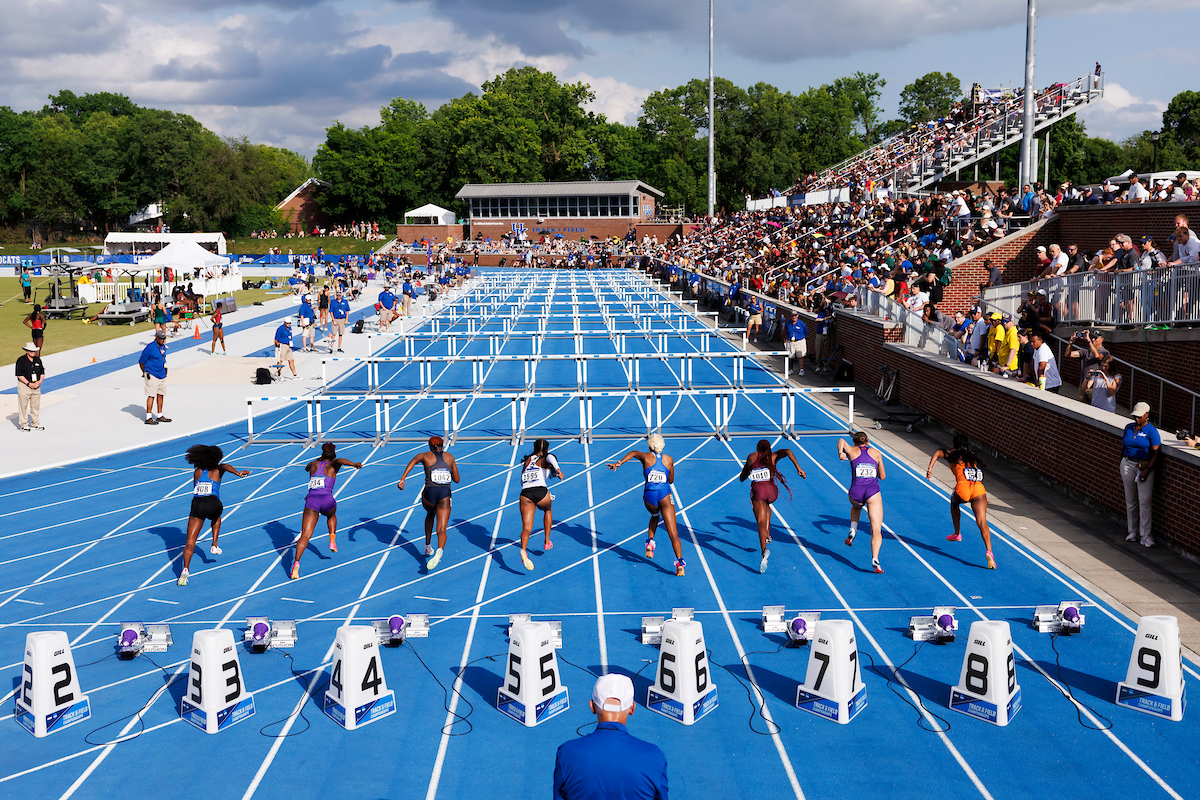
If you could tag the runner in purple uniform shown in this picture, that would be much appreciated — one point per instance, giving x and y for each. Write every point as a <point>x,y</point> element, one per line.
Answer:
<point>866,471</point>
<point>761,469</point>
<point>322,475</point>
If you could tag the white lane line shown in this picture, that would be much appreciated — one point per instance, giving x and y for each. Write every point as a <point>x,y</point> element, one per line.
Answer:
<point>1080,707</point>
<point>587,459</point>
<point>168,602</point>
<point>438,599</point>
<point>737,643</point>
<point>296,600</point>
<point>28,602</point>
<point>440,760</point>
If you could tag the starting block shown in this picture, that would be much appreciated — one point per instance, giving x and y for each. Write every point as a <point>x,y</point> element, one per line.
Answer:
<point>216,696</point>
<point>358,693</point>
<point>833,686</point>
<point>652,630</point>
<point>682,689</point>
<point>772,619</point>
<point>987,686</point>
<point>532,691</point>
<point>1154,681</point>
<point>48,697</point>
<point>137,638</point>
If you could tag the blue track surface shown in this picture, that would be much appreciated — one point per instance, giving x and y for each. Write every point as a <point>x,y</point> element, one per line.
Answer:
<point>85,547</point>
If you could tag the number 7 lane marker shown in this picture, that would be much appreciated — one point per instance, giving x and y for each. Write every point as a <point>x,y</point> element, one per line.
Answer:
<point>1029,660</point>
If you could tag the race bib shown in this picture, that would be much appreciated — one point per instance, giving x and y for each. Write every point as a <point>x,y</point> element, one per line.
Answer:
<point>760,475</point>
<point>439,476</point>
<point>864,471</point>
<point>202,489</point>
<point>972,474</point>
<point>656,477</point>
<point>316,483</point>
<point>531,476</point>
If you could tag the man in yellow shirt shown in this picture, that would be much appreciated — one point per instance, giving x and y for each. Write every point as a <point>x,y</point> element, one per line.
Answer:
<point>1008,346</point>
<point>994,335</point>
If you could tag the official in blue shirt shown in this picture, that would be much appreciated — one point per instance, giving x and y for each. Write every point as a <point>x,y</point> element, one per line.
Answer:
<point>283,348</point>
<point>406,292</point>
<point>754,319</point>
<point>153,363</point>
<point>308,319</point>
<point>609,763</point>
<point>796,344</point>
<point>1139,452</point>
<point>387,306</point>
<point>339,309</point>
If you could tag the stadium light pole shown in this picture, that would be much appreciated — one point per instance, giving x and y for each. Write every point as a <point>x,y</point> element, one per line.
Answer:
<point>1028,167</point>
<point>712,175</point>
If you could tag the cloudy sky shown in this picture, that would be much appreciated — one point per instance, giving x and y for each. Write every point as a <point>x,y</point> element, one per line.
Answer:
<point>279,71</point>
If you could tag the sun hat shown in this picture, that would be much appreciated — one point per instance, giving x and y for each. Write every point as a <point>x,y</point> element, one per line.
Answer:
<point>613,687</point>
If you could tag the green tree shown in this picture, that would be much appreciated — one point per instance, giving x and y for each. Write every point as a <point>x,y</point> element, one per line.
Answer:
<point>78,109</point>
<point>863,90</point>
<point>929,97</point>
<point>1181,124</point>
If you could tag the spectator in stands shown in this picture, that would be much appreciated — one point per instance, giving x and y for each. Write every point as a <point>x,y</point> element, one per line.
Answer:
<point>1025,366</point>
<point>995,333</point>
<point>1187,246</point>
<point>1104,385</point>
<point>995,271</point>
<point>1139,452</point>
<point>1044,365</point>
<point>1007,347</point>
<point>931,316</point>
<point>1088,347</point>
<point>977,336</point>
<point>1136,192</point>
<point>1046,316</point>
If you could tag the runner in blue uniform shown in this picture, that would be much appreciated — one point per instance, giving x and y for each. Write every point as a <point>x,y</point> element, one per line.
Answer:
<point>536,469</point>
<point>322,475</point>
<point>866,471</point>
<point>440,470</point>
<point>659,472</point>
<point>206,499</point>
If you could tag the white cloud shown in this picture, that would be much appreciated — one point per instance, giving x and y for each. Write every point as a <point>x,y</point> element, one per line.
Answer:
<point>1121,113</point>
<point>616,100</point>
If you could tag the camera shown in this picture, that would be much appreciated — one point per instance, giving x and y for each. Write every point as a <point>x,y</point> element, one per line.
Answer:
<point>1182,434</point>
<point>1080,336</point>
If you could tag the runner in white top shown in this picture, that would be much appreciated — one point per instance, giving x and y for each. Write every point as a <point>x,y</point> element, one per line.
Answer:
<point>536,469</point>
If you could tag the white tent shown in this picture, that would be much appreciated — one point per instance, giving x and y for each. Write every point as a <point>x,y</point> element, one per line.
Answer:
<point>124,242</point>
<point>429,214</point>
<point>181,256</point>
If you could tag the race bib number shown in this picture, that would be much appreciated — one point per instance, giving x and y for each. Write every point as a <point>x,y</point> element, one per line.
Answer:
<point>440,476</point>
<point>316,483</point>
<point>864,471</point>
<point>760,475</point>
<point>972,474</point>
<point>202,489</point>
<point>656,477</point>
<point>531,476</point>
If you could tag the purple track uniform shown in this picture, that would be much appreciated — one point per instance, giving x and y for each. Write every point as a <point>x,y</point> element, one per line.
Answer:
<point>320,491</point>
<point>864,477</point>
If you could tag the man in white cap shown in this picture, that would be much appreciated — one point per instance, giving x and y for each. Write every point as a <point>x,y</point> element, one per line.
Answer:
<point>30,374</point>
<point>609,762</point>
<point>1139,452</point>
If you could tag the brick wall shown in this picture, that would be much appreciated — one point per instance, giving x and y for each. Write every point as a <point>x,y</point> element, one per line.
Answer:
<point>304,211</point>
<point>1041,431</point>
<point>862,337</point>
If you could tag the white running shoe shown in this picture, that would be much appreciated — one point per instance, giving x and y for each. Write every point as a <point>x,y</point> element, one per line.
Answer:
<point>433,562</point>
<point>762,565</point>
<point>428,550</point>
<point>216,551</point>
<point>183,578</point>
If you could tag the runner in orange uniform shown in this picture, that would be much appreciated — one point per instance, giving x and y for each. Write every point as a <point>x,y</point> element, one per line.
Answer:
<point>968,488</point>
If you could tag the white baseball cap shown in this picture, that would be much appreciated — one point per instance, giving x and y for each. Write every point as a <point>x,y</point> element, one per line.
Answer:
<point>613,687</point>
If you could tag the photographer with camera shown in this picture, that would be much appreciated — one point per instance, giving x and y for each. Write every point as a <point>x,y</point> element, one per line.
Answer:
<point>1088,346</point>
<point>1104,385</point>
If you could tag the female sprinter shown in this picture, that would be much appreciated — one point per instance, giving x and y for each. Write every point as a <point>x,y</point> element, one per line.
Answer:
<point>320,500</point>
<point>968,488</point>
<point>440,470</point>
<point>866,471</point>
<point>536,469</point>
<point>36,322</point>
<point>762,469</point>
<point>206,499</point>
<point>659,471</point>
<point>218,328</point>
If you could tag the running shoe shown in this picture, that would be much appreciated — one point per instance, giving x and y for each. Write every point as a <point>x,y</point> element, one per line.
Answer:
<point>332,545</point>
<point>433,562</point>
<point>850,539</point>
<point>296,570</point>
<point>875,564</point>
<point>649,548</point>
<point>762,565</point>
<point>216,551</point>
<point>991,560</point>
<point>428,550</point>
<point>679,566</point>
<point>525,560</point>
<point>954,537</point>
<point>183,576</point>
<point>549,545</point>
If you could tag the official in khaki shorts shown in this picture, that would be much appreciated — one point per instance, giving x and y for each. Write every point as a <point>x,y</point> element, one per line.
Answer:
<point>154,376</point>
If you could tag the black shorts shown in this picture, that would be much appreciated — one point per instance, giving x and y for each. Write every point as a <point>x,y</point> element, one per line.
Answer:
<point>535,493</point>
<point>434,493</point>
<point>209,508</point>
<point>38,333</point>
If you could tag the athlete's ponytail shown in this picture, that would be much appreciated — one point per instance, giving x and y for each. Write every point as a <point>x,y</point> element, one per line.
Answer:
<point>328,451</point>
<point>962,452</point>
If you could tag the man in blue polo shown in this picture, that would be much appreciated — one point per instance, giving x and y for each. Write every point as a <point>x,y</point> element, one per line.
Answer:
<point>609,762</point>
<point>153,364</point>
<point>753,318</point>
<point>387,307</point>
<point>339,309</point>
<point>283,349</point>
<point>407,292</point>
<point>796,344</point>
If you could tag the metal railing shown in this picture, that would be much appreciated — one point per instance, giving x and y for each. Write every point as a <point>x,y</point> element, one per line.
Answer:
<point>1166,295</point>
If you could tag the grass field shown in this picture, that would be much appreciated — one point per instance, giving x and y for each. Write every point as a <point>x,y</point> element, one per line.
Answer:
<point>332,245</point>
<point>67,334</point>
